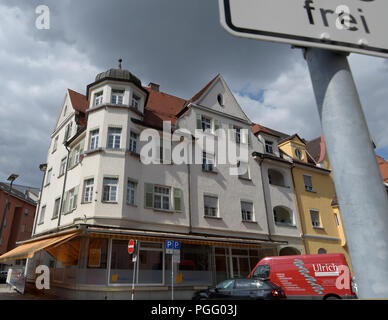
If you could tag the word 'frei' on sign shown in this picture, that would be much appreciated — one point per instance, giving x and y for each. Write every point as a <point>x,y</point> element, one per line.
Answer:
<point>345,20</point>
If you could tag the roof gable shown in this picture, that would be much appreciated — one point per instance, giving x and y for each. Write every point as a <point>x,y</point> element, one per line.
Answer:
<point>217,89</point>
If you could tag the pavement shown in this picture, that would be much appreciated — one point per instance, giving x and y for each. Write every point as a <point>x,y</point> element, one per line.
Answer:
<point>8,293</point>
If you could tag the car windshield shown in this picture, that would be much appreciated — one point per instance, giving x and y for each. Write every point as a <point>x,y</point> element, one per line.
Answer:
<point>227,284</point>
<point>262,271</point>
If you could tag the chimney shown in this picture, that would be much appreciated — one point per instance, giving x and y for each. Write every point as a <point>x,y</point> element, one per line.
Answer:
<point>154,86</point>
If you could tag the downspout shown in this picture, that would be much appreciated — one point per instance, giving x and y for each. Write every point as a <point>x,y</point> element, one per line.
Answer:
<point>189,185</point>
<point>298,209</point>
<point>38,206</point>
<point>64,186</point>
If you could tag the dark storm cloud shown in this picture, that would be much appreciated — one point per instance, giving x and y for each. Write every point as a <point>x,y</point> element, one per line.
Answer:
<point>179,44</point>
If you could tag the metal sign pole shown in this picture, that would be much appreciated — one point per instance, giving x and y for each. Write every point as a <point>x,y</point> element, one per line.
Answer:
<point>172,277</point>
<point>134,260</point>
<point>361,195</point>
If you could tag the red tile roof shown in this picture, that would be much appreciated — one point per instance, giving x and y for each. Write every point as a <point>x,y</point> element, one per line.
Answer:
<point>78,100</point>
<point>383,165</point>
<point>256,128</point>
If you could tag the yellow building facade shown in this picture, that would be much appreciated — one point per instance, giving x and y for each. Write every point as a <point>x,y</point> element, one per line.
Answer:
<point>319,215</point>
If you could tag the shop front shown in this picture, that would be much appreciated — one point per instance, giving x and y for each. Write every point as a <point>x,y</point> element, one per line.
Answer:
<point>96,264</point>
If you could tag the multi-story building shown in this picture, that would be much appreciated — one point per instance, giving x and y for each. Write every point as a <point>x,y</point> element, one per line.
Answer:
<point>98,193</point>
<point>320,219</point>
<point>19,218</point>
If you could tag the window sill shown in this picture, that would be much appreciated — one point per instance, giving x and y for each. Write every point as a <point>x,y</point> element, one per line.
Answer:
<point>60,176</point>
<point>312,191</point>
<point>163,211</point>
<point>86,202</point>
<point>245,179</point>
<point>54,218</point>
<point>210,217</point>
<point>133,154</point>
<point>109,202</point>
<point>91,151</point>
<point>46,185</point>
<point>68,212</point>
<point>280,224</point>
<point>209,171</point>
<point>279,185</point>
<point>132,205</point>
<point>249,221</point>
<point>318,228</point>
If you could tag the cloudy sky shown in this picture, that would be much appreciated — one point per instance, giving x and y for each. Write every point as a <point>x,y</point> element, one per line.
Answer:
<point>179,44</point>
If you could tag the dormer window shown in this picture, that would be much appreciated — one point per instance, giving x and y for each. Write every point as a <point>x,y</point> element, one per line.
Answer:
<point>98,98</point>
<point>268,146</point>
<point>117,96</point>
<point>298,154</point>
<point>135,101</point>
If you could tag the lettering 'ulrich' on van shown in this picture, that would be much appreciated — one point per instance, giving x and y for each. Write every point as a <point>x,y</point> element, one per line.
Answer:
<point>315,276</point>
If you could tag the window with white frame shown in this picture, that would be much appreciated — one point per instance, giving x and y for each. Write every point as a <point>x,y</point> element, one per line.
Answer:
<point>131,191</point>
<point>68,131</point>
<point>135,101</point>
<point>308,183</point>
<point>42,213</point>
<point>48,178</point>
<point>247,211</point>
<point>114,137</point>
<point>206,123</point>
<point>268,146</point>
<point>94,134</point>
<point>117,96</point>
<point>56,208</point>
<point>207,161</point>
<point>133,138</point>
<point>98,98</point>
<point>88,190</point>
<point>162,198</point>
<point>55,146</point>
<point>110,189</point>
<point>72,200</point>
<point>77,153</point>
<point>315,218</point>
<point>62,167</point>
<point>237,131</point>
<point>211,206</point>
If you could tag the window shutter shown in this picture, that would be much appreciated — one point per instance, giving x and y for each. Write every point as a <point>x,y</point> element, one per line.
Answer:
<point>244,136</point>
<point>148,195</point>
<point>216,124</point>
<point>64,202</point>
<point>199,121</point>
<point>82,146</point>
<point>178,199</point>
<point>75,197</point>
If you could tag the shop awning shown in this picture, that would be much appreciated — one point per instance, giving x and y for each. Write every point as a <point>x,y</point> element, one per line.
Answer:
<point>27,250</point>
<point>184,238</point>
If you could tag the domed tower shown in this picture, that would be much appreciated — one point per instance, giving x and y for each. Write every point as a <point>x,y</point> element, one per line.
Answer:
<point>117,87</point>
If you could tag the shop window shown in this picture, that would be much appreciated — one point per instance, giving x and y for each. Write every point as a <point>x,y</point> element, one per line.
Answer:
<point>121,270</point>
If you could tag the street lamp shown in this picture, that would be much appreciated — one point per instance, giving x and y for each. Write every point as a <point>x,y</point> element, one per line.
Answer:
<point>43,168</point>
<point>11,178</point>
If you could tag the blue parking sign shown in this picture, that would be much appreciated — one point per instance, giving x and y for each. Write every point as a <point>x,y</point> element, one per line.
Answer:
<point>177,245</point>
<point>170,244</point>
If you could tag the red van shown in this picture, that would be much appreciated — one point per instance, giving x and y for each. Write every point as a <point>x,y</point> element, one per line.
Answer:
<point>313,276</point>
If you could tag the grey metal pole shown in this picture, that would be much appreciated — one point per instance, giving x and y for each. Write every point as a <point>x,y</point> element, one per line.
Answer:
<point>360,191</point>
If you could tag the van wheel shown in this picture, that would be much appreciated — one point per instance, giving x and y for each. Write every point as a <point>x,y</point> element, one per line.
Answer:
<point>332,298</point>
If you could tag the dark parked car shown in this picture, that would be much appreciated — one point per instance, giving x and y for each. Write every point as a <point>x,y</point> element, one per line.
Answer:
<point>3,276</point>
<point>245,289</point>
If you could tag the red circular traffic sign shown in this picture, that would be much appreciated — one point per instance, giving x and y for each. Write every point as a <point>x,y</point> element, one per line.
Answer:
<point>131,246</point>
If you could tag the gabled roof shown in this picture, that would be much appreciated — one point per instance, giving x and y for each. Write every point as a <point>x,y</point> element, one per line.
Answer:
<point>203,90</point>
<point>78,100</point>
<point>256,128</point>
<point>291,138</point>
<point>16,192</point>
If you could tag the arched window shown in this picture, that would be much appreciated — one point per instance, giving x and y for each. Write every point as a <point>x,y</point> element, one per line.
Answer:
<point>283,216</point>
<point>275,177</point>
<point>289,251</point>
<point>322,251</point>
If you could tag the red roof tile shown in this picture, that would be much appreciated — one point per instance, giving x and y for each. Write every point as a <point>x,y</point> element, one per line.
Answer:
<point>256,128</point>
<point>78,100</point>
<point>383,165</point>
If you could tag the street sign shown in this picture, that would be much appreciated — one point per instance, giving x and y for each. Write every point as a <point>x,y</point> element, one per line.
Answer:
<point>172,246</point>
<point>345,25</point>
<point>131,246</point>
